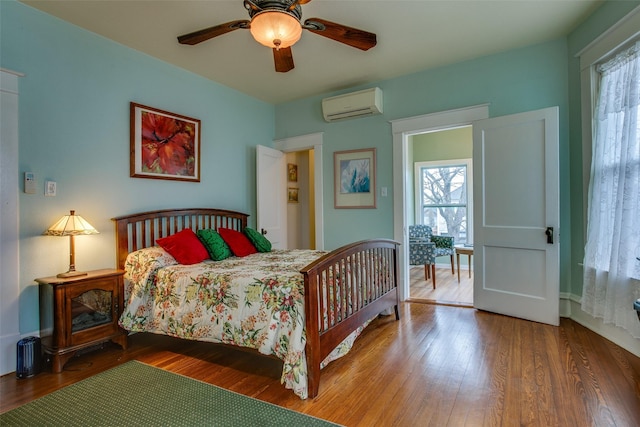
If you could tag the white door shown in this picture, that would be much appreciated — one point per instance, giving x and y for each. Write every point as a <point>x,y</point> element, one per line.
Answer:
<point>515,162</point>
<point>271,187</point>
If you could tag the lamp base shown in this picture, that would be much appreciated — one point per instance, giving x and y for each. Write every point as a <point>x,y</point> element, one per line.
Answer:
<point>71,274</point>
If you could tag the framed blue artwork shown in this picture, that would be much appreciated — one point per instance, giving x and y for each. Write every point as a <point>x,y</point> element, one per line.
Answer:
<point>355,179</point>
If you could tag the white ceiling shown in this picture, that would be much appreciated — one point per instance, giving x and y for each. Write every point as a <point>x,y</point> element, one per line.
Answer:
<point>412,35</point>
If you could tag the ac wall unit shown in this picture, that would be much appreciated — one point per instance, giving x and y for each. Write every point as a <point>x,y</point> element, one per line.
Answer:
<point>363,103</point>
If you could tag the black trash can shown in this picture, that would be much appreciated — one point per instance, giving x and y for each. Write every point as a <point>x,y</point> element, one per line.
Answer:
<point>28,357</point>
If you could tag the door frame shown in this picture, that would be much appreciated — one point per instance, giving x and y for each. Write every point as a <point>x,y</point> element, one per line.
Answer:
<point>402,129</point>
<point>10,225</point>
<point>312,141</point>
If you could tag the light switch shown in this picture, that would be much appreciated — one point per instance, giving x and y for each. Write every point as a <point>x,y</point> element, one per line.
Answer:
<point>50,188</point>
<point>383,191</point>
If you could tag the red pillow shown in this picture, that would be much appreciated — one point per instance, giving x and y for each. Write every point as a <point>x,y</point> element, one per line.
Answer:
<point>184,246</point>
<point>239,243</point>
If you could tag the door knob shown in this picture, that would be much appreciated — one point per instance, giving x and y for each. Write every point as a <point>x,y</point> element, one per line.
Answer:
<point>549,233</point>
<point>263,231</point>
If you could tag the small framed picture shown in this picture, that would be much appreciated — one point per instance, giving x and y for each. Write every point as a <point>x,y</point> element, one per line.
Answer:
<point>292,195</point>
<point>292,172</point>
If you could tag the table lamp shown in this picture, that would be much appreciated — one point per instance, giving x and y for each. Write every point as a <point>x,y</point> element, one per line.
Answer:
<point>71,225</point>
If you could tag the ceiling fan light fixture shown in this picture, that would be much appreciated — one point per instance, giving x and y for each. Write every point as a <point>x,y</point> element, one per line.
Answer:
<point>275,28</point>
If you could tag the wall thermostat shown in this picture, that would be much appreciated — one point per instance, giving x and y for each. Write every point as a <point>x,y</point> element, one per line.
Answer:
<point>29,183</point>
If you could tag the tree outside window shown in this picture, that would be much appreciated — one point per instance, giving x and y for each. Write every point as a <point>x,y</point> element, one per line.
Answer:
<point>443,191</point>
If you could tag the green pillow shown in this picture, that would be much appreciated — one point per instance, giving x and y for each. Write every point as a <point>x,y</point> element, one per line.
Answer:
<point>259,241</point>
<point>216,246</point>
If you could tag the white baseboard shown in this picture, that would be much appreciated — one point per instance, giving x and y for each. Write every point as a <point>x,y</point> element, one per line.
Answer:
<point>8,346</point>
<point>565,304</point>
<point>9,351</point>
<point>570,306</point>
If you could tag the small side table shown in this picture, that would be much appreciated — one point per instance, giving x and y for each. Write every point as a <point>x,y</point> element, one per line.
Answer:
<point>80,312</point>
<point>464,250</point>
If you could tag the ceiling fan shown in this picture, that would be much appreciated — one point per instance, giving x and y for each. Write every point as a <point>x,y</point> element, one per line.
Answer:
<point>277,24</point>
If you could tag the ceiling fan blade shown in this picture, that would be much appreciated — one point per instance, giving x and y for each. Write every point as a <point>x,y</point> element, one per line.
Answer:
<point>211,32</point>
<point>353,37</point>
<point>283,59</point>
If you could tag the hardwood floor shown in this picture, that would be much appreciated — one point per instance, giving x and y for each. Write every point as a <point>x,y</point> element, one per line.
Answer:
<point>439,365</point>
<point>447,291</point>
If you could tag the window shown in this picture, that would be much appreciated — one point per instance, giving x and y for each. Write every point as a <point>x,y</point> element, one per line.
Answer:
<point>611,279</point>
<point>443,198</point>
<point>613,229</point>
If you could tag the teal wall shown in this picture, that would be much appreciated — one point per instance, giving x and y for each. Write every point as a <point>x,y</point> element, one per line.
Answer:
<point>520,80</point>
<point>74,129</point>
<point>525,79</point>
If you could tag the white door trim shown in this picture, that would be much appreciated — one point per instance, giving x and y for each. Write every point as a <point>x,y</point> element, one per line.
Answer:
<point>402,129</point>
<point>9,226</point>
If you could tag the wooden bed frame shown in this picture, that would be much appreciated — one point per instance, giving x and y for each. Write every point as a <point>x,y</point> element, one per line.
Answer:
<point>365,258</point>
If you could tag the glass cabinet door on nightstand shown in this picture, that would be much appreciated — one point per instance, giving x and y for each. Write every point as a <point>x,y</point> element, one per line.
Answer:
<point>80,312</point>
<point>90,309</point>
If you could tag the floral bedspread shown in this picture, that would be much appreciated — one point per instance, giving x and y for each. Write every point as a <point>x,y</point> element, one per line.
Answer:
<point>256,301</point>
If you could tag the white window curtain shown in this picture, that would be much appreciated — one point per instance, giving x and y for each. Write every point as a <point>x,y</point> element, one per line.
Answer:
<point>612,251</point>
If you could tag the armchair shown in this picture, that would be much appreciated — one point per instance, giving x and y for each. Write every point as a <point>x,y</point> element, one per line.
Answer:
<point>444,246</point>
<point>422,251</point>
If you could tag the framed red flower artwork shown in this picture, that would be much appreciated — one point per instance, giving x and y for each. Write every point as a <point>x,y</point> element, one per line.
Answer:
<point>164,145</point>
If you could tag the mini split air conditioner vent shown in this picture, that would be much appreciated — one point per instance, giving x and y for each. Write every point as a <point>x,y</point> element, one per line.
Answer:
<point>363,103</point>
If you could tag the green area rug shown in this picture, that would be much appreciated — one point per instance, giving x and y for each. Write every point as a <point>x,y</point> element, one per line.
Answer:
<point>136,394</point>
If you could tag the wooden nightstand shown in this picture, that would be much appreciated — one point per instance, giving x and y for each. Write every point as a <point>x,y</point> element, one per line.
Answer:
<point>80,312</point>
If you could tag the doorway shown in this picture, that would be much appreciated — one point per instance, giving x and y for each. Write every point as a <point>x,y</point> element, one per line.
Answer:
<point>441,164</point>
<point>305,151</point>
<point>403,183</point>
<point>516,252</point>
<point>300,200</point>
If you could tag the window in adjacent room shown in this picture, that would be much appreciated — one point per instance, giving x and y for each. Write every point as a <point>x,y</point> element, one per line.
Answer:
<point>443,197</point>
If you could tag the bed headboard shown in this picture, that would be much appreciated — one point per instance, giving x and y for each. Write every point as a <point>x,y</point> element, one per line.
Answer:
<point>140,230</point>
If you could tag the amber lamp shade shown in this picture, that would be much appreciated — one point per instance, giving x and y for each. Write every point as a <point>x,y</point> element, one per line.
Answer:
<point>71,225</point>
<point>275,29</point>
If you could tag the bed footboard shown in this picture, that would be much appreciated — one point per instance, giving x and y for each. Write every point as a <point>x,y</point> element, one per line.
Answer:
<point>343,290</point>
